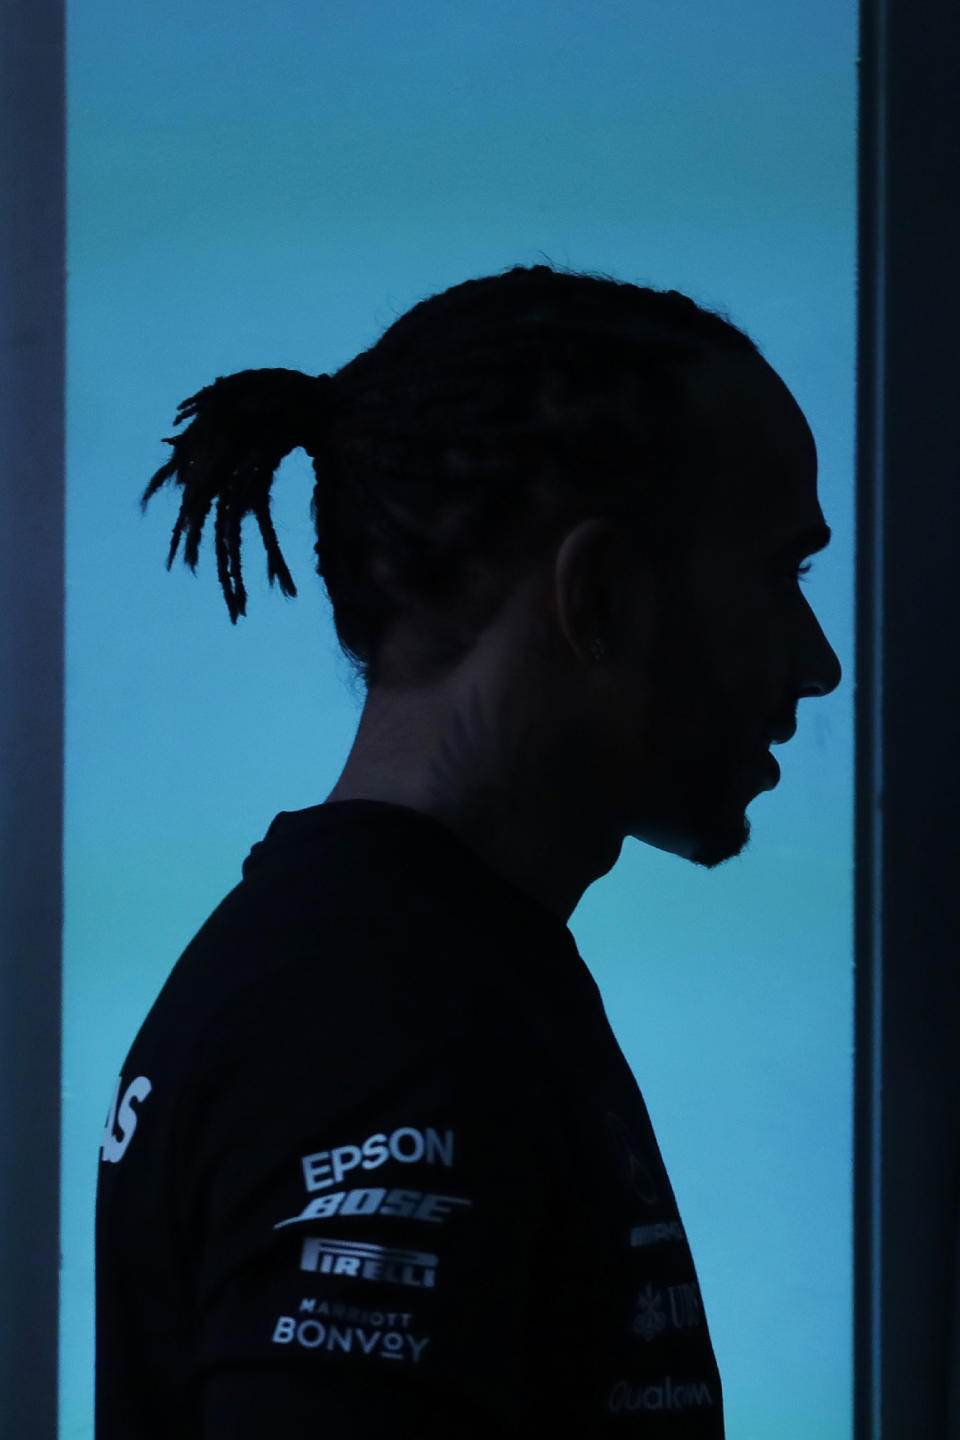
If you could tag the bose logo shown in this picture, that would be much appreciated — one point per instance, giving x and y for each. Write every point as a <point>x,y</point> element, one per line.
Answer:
<point>406,1204</point>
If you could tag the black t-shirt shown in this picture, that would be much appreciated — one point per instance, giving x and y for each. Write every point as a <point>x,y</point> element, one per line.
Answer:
<point>375,1166</point>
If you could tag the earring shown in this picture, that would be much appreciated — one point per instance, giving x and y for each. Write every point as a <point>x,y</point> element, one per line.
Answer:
<point>596,649</point>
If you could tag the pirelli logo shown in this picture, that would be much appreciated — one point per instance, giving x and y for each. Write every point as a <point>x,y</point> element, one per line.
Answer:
<point>369,1262</point>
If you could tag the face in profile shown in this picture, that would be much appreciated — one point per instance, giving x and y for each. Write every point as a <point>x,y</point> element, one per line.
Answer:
<point>737,643</point>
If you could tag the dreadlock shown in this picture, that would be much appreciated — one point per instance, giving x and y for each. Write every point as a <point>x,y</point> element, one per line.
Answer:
<point>450,454</point>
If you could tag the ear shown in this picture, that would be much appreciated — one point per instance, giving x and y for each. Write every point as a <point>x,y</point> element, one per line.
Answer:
<point>587,586</point>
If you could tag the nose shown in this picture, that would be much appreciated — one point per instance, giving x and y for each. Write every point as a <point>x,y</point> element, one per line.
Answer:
<point>824,671</point>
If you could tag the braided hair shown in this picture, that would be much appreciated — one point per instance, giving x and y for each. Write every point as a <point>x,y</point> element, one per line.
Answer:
<point>455,450</point>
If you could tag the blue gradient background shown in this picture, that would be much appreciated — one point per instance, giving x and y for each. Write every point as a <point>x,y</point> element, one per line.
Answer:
<point>271,186</point>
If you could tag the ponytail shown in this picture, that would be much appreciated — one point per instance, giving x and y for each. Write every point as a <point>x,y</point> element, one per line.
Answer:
<point>243,426</point>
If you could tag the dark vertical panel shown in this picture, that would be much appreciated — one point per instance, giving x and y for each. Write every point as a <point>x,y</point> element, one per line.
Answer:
<point>868,814</point>
<point>32,336</point>
<point>907,1125</point>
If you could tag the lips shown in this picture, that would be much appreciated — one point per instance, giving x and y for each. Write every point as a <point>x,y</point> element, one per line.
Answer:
<point>771,770</point>
<point>781,736</point>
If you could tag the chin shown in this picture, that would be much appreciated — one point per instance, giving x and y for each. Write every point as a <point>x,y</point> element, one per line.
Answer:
<point>673,842</point>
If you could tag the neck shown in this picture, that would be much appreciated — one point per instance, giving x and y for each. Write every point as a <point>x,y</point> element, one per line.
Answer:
<point>502,784</point>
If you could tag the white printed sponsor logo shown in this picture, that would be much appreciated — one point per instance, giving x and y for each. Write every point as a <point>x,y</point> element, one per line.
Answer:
<point>666,1396</point>
<point>650,1319</point>
<point>686,1311</point>
<point>315,1335</point>
<point>405,1204</point>
<point>633,1161</point>
<point>369,1262</point>
<point>656,1234</point>
<point>356,1314</point>
<point>112,1149</point>
<point>405,1144</point>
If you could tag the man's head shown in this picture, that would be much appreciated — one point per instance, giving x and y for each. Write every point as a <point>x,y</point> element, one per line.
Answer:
<point>522,466</point>
<point>702,663</point>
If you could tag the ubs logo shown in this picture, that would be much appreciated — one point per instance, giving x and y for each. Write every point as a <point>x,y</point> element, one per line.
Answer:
<point>650,1319</point>
<point>632,1163</point>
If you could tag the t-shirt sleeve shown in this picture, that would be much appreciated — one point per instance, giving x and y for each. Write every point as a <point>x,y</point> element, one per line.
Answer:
<point>371,1226</point>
